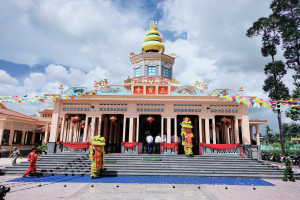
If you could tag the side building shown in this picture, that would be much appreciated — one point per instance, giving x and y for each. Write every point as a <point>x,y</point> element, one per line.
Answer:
<point>17,129</point>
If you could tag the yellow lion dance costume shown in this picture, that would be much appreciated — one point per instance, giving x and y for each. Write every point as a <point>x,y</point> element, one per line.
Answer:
<point>187,135</point>
<point>97,155</point>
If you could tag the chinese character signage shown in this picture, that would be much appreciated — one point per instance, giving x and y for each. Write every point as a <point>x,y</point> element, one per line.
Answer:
<point>138,90</point>
<point>150,90</point>
<point>162,90</point>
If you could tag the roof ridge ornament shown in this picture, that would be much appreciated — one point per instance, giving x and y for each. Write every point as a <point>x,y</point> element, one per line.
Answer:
<point>102,82</point>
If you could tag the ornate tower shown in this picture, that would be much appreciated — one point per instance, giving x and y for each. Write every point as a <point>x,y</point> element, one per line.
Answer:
<point>152,62</point>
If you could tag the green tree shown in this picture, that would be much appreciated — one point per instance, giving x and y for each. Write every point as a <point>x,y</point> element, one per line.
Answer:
<point>269,135</point>
<point>287,13</point>
<point>290,130</point>
<point>269,30</point>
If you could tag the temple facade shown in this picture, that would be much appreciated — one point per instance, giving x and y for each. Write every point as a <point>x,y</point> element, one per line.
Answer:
<point>150,101</point>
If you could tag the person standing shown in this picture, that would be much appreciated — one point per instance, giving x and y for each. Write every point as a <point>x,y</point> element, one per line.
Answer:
<point>15,154</point>
<point>157,144</point>
<point>149,140</point>
<point>32,158</point>
<point>288,169</point>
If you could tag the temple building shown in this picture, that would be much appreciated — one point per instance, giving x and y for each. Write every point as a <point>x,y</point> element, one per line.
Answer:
<point>150,101</point>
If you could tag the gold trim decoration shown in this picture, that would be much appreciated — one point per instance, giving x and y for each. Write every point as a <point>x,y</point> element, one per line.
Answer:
<point>102,82</point>
<point>199,84</point>
<point>174,81</point>
<point>128,80</point>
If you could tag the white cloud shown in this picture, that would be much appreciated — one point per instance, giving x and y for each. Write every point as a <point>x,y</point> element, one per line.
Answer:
<point>90,40</point>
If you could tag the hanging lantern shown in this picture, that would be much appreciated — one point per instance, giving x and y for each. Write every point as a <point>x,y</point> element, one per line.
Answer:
<point>186,119</point>
<point>76,119</point>
<point>150,119</point>
<point>83,124</point>
<point>113,119</point>
<point>224,120</point>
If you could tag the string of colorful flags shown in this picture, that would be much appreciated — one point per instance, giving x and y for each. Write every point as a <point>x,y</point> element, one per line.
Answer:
<point>290,104</point>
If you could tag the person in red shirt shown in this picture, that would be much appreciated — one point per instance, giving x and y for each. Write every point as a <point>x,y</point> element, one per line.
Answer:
<point>32,157</point>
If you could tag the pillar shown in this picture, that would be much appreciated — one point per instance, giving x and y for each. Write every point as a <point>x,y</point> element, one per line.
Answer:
<point>200,130</point>
<point>218,135</point>
<point>175,129</point>
<point>162,129</point>
<point>64,139</point>
<point>105,130</point>
<point>257,135</point>
<point>62,129</point>
<point>134,130</point>
<point>75,132</point>
<point>33,137</point>
<point>214,130</point>
<point>137,128</point>
<point>11,136</point>
<point>70,131</point>
<point>23,137</point>
<point>55,122</point>
<point>99,126</point>
<point>236,130</point>
<point>93,128</point>
<point>1,135</point>
<point>168,130</point>
<point>245,129</point>
<point>124,129</point>
<point>207,134</point>
<point>46,133</point>
<point>251,134</point>
<point>227,134</point>
<point>130,128</point>
<point>85,128</point>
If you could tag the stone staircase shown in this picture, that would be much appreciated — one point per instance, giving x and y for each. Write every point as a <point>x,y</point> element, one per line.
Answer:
<point>78,164</point>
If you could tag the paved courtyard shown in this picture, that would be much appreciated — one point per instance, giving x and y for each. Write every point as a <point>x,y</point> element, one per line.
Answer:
<point>124,191</point>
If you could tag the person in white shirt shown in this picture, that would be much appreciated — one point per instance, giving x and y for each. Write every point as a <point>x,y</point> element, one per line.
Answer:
<point>149,140</point>
<point>157,144</point>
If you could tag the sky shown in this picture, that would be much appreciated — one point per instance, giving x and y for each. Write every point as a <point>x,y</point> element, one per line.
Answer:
<point>73,42</point>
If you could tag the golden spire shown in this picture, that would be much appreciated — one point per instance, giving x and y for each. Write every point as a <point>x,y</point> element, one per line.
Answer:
<point>153,40</point>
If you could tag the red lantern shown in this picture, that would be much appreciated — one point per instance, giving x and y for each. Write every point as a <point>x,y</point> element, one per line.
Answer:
<point>150,119</point>
<point>186,119</point>
<point>76,119</point>
<point>224,120</point>
<point>82,124</point>
<point>113,119</point>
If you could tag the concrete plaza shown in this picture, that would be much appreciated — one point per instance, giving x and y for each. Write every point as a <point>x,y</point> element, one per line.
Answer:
<point>50,190</point>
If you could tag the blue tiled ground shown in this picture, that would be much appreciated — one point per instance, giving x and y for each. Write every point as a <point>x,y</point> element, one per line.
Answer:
<point>145,180</point>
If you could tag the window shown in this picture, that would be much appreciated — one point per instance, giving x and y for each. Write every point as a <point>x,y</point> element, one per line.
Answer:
<point>166,72</point>
<point>137,72</point>
<point>151,70</point>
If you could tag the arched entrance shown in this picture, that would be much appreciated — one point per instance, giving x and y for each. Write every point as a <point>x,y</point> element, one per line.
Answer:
<point>224,130</point>
<point>112,131</point>
<point>195,123</point>
<point>145,127</point>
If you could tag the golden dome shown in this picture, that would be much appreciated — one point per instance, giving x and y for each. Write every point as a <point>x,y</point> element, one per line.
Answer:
<point>153,41</point>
